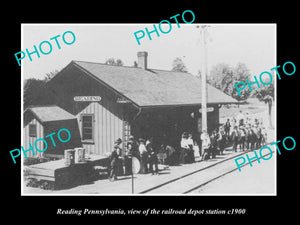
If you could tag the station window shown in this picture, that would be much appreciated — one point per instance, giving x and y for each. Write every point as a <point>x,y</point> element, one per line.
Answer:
<point>32,130</point>
<point>87,127</point>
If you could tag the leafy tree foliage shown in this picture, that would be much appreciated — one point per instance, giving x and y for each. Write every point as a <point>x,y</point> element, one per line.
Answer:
<point>264,91</point>
<point>32,88</point>
<point>266,95</point>
<point>178,65</point>
<point>51,74</point>
<point>224,77</point>
<point>35,91</point>
<point>114,62</point>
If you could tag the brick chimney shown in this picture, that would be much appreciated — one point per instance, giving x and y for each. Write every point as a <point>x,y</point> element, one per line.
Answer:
<point>142,60</point>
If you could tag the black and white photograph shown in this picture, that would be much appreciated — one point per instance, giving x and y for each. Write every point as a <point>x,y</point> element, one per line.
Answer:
<point>144,109</point>
<point>149,113</point>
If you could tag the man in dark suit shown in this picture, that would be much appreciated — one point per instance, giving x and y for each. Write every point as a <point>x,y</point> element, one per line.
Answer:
<point>214,143</point>
<point>114,163</point>
<point>152,157</point>
<point>242,137</point>
<point>227,128</point>
<point>235,138</point>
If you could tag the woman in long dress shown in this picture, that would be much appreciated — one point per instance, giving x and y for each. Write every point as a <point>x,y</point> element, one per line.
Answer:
<point>184,149</point>
<point>128,159</point>
<point>190,143</point>
<point>144,156</point>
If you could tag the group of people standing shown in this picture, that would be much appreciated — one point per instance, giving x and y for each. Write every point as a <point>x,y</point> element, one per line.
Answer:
<point>187,151</point>
<point>142,149</point>
<point>240,131</point>
<point>214,144</point>
<point>248,134</point>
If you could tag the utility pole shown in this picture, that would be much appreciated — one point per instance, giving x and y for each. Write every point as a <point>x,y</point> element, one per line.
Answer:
<point>203,30</point>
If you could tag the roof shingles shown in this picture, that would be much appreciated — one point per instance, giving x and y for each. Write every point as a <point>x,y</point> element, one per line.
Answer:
<point>154,87</point>
<point>50,113</point>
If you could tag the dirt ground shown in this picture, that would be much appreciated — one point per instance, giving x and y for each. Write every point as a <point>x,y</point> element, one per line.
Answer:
<point>254,106</point>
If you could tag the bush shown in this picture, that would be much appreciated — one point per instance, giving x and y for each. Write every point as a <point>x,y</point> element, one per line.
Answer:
<point>43,184</point>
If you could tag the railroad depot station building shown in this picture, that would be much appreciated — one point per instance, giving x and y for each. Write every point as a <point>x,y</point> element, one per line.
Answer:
<point>100,103</point>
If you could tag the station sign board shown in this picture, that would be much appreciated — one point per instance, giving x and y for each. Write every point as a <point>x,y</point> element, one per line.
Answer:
<point>87,98</point>
<point>208,109</point>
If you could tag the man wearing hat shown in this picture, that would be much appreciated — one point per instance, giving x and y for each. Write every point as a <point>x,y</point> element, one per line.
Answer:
<point>120,170</point>
<point>114,163</point>
<point>240,118</point>
<point>250,138</point>
<point>135,147</point>
<point>221,139</point>
<point>242,138</point>
<point>118,141</point>
<point>214,143</point>
<point>235,138</point>
<point>152,157</point>
<point>227,128</point>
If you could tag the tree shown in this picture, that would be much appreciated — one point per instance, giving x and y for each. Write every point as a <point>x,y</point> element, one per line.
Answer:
<point>178,65</point>
<point>224,77</point>
<point>51,74</point>
<point>221,76</point>
<point>114,62</point>
<point>36,93</point>
<point>32,89</point>
<point>266,95</point>
<point>199,74</point>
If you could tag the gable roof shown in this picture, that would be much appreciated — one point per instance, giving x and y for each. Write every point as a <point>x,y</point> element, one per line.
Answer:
<point>48,113</point>
<point>153,87</point>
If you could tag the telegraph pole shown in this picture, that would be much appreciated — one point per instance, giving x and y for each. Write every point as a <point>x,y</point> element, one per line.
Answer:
<point>203,30</point>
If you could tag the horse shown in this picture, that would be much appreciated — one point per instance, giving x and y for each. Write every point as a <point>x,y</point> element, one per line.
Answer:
<point>254,138</point>
<point>250,139</point>
<point>264,137</point>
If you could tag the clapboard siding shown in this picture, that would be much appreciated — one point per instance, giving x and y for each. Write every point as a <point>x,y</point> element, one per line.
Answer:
<point>27,139</point>
<point>107,126</point>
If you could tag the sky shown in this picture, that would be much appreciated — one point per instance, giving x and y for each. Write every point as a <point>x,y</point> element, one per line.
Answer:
<point>252,44</point>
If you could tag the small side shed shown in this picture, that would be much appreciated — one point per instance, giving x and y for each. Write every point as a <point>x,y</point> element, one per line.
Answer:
<point>40,121</point>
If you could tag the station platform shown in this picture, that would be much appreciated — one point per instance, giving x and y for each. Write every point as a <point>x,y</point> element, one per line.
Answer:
<point>141,183</point>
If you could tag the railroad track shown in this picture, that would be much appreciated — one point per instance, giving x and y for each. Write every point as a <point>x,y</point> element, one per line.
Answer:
<point>198,178</point>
